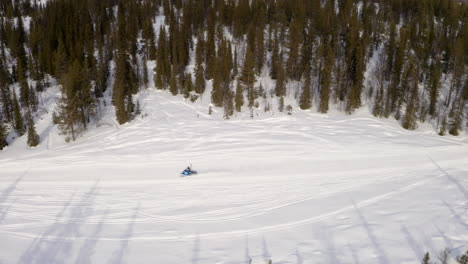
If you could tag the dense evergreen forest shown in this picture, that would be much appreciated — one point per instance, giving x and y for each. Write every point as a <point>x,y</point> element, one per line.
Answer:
<point>403,59</point>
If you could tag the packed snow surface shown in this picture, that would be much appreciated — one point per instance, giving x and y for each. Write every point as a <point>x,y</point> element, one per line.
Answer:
<point>305,188</point>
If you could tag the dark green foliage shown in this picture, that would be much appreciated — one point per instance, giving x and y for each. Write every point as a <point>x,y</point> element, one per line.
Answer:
<point>18,123</point>
<point>3,135</point>
<point>463,259</point>
<point>173,86</point>
<point>163,67</point>
<point>426,259</point>
<point>434,88</point>
<point>305,101</point>
<point>306,45</point>
<point>199,71</point>
<point>33,137</point>
<point>292,65</point>
<point>138,108</point>
<point>443,127</point>
<point>248,77</point>
<point>5,97</point>
<point>126,82</point>
<point>280,87</point>
<point>239,97</point>
<point>76,105</point>
<point>281,104</point>
<point>325,83</point>
<point>228,102</point>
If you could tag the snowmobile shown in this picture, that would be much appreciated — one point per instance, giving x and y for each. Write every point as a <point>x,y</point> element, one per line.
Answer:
<point>188,171</point>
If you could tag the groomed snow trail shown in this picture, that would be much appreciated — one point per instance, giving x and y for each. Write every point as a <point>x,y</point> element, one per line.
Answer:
<point>305,188</point>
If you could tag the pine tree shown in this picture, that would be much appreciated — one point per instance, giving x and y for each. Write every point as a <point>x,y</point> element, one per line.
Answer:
<point>33,137</point>
<point>325,80</point>
<point>138,108</point>
<point>76,105</point>
<point>247,77</point>
<point>281,104</point>
<point>409,121</point>
<point>173,87</point>
<point>33,100</point>
<point>443,127</point>
<point>5,96</point>
<point>274,61</point>
<point>18,118</point>
<point>434,88</point>
<point>24,86</point>
<point>217,93</point>
<point>306,98</point>
<point>280,87</point>
<point>228,102</point>
<point>463,259</point>
<point>3,135</point>
<point>187,85</point>
<point>456,121</point>
<point>260,41</point>
<point>162,63</point>
<point>239,96</point>
<point>426,259</point>
<point>210,54</point>
<point>292,65</point>
<point>199,71</point>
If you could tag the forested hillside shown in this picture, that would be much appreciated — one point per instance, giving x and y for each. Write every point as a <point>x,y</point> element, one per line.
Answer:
<point>403,59</point>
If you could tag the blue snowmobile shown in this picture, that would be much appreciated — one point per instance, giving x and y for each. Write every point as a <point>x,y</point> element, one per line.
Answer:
<point>188,171</point>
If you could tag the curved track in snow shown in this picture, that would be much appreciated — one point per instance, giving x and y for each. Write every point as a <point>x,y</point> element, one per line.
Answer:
<point>301,189</point>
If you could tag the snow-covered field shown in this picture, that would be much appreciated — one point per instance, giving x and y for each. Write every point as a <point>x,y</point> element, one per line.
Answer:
<point>306,188</point>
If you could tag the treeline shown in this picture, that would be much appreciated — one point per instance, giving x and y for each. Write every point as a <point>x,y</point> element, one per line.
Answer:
<point>413,51</point>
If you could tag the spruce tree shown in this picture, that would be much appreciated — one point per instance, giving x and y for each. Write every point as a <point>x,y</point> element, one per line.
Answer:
<point>260,42</point>
<point>18,118</point>
<point>199,71</point>
<point>162,61</point>
<point>239,96</point>
<point>292,65</point>
<point>434,88</point>
<point>3,135</point>
<point>77,105</point>
<point>325,80</point>
<point>280,87</point>
<point>6,100</point>
<point>274,61</point>
<point>409,120</point>
<point>247,77</point>
<point>306,98</point>
<point>463,259</point>
<point>426,259</point>
<point>210,48</point>
<point>228,102</point>
<point>443,127</point>
<point>173,87</point>
<point>24,86</point>
<point>33,137</point>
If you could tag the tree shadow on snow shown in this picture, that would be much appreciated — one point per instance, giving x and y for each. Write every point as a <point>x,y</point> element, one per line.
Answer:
<point>456,215</point>
<point>382,256</point>
<point>196,250</point>
<point>119,254</point>
<point>87,250</point>
<point>452,179</point>
<point>414,245</point>
<point>5,196</point>
<point>56,243</point>
<point>354,254</point>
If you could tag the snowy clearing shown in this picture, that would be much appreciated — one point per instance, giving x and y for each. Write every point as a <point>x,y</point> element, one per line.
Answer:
<point>306,188</point>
